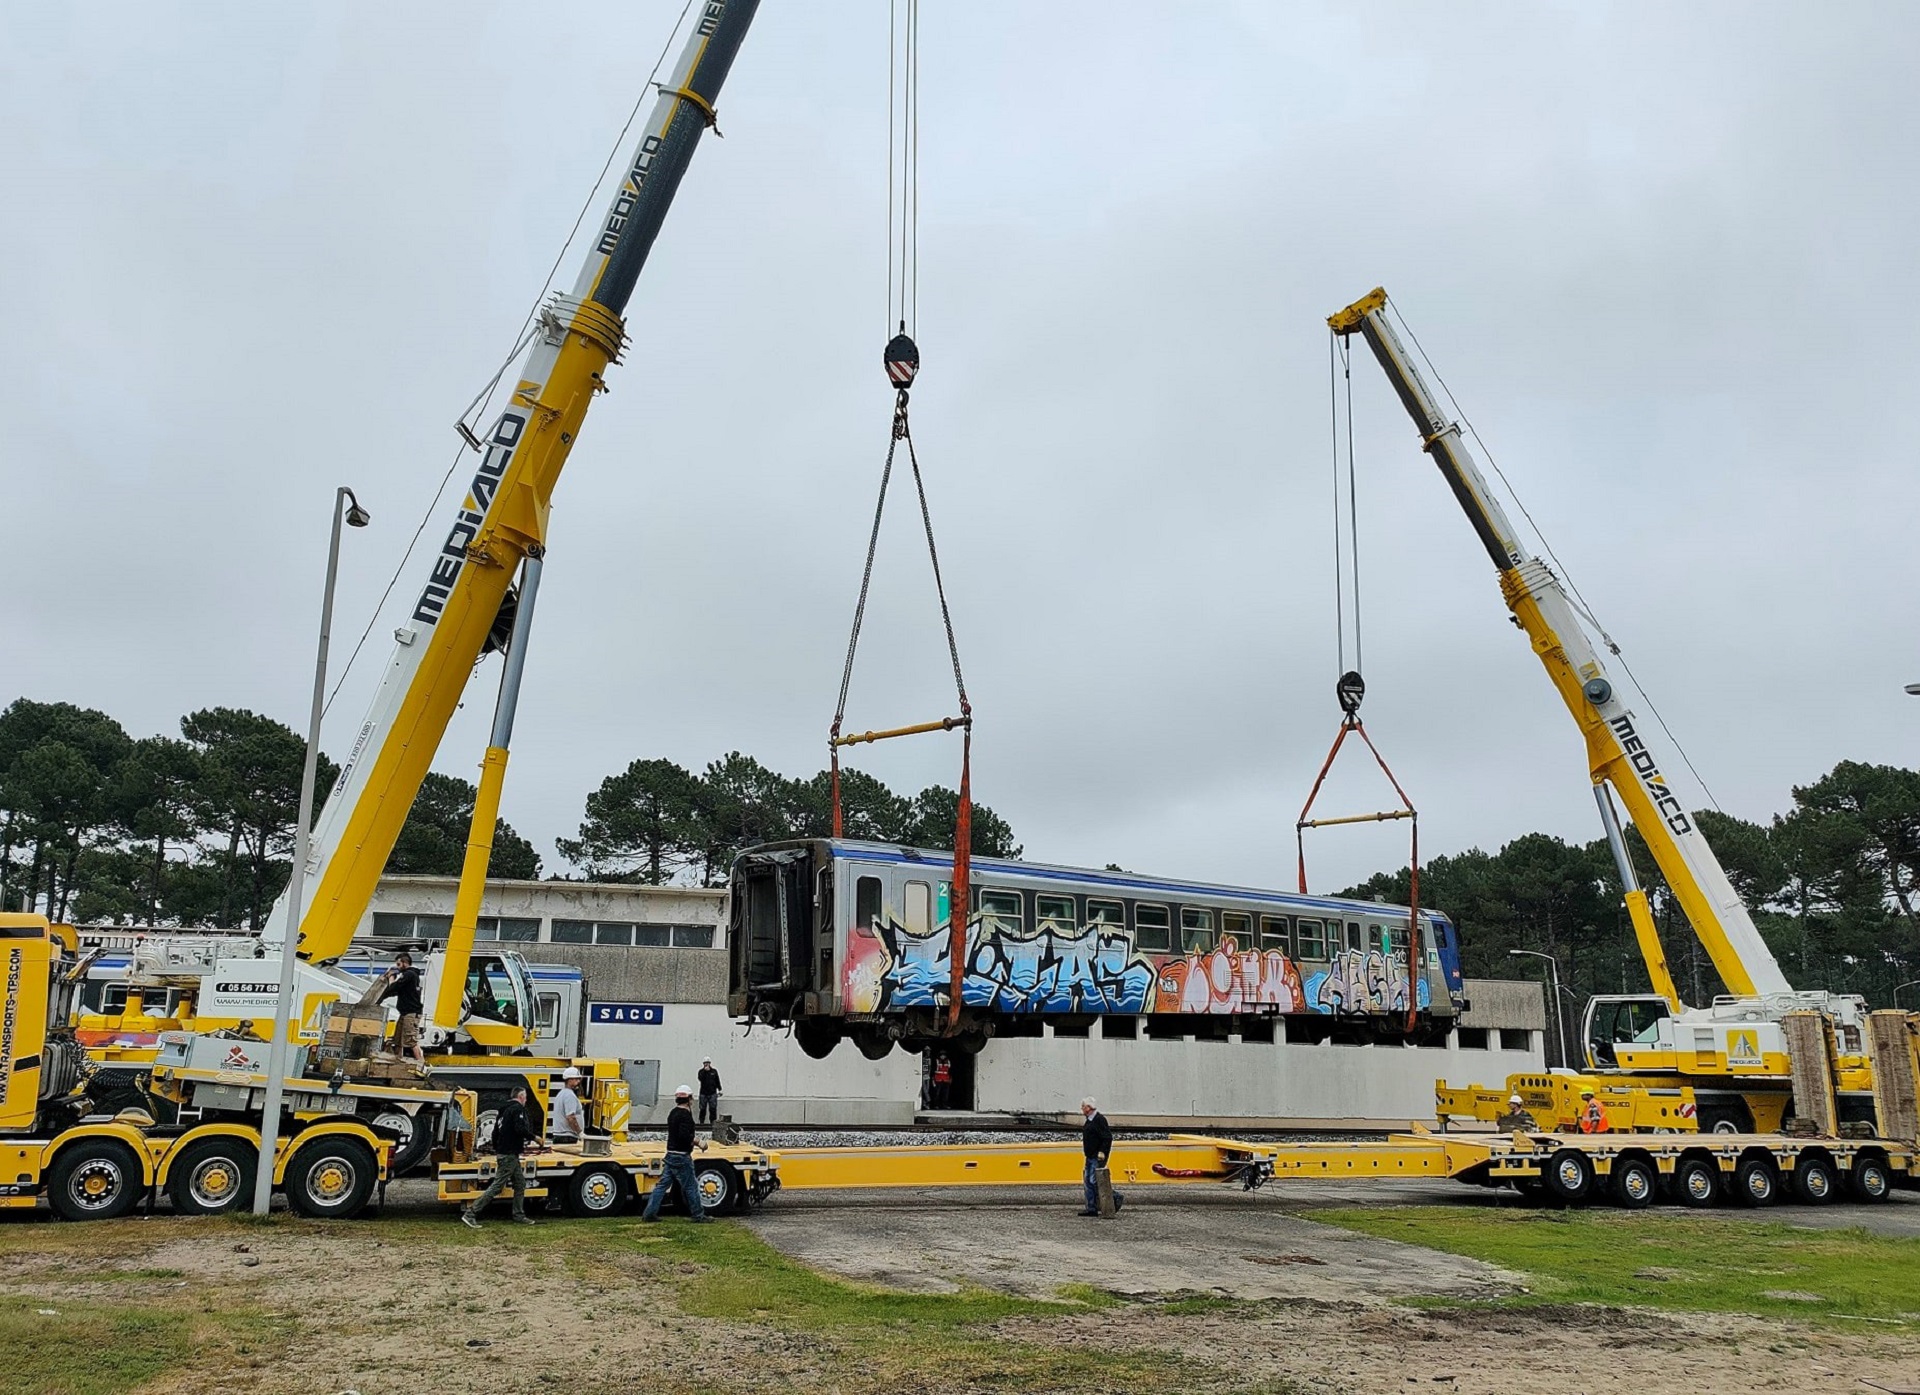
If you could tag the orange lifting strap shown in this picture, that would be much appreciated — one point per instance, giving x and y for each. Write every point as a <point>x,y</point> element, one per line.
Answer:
<point>1351,688</point>
<point>903,363</point>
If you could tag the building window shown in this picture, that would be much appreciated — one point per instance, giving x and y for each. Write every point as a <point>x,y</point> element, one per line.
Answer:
<point>652,936</point>
<point>573,932</point>
<point>1516,1039</point>
<point>1310,938</point>
<point>388,925</point>
<point>523,930</point>
<point>1273,934</point>
<point>1054,914</point>
<point>696,936</point>
<point>1472,1038</point>
<point>1196,930</point>
<point>1152,929</point>
<point>607,932</point>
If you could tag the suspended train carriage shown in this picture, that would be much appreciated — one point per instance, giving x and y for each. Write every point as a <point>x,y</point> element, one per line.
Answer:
<point>854,940</point>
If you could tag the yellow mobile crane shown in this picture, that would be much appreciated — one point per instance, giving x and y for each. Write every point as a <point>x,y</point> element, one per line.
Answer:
<point>1732,1052</point>
<point>478,1006</point>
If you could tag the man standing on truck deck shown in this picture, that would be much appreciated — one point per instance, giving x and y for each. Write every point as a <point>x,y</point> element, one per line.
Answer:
<point>1593,1114</point>
<point>569,1119</point>
<point>513,1134</point>
<point>678,1171</point>
<point>404,988</point>
<point>709,1079</point>
<point>1517,1119</point>
<point>1096,1140</point>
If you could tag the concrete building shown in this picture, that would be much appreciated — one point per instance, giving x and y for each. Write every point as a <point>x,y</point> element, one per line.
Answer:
<point>655,963</point>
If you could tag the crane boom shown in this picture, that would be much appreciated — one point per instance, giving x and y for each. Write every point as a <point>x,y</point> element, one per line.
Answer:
<point>1617,755</point>
<point>503,518</point>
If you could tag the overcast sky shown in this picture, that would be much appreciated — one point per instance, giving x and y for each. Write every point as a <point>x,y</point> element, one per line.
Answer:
<point>1664,255</point>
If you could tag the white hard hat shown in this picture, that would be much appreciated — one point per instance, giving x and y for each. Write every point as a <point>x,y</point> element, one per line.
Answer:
<point>682,1092</point>
<point>706,1060</point>
<point>570,1073</point>
<point>1514,1099</point>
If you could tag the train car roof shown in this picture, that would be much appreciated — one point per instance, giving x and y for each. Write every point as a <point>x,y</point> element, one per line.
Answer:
<point>1126,881</point>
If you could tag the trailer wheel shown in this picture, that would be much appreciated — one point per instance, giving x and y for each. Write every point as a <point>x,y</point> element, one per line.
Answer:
<point>1815,1180</point>
<point>331,1178</point>
<point>601,1190</point>
<point>1870,1180</point>
<point>719,1187</point>
<point>213,1177</point>
<point>1634,1182</point>
<point>1756,1182</point>
<point>1696,1182</point>
<point>96,1179</point>
<point>1569,1177</point>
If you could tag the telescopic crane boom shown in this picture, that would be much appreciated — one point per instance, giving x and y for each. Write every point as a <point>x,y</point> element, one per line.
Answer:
<point>1617,756</point>
<point>468,601</point>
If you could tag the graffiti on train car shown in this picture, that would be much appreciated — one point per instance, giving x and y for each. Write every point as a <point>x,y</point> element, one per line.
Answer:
<point>1096,969</point>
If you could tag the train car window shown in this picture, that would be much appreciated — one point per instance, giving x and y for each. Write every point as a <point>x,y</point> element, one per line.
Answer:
<point>1273,934</point>
<point>1152,929</point>
<point>1397,940</point>
<point>1377,938</point>
<point>1196,930</point>
<point>1310,938</point>
<point>1353,934</point>
<point>1054,914</point>
<point>1002,912</point>
<point>919,908</point>
<point>1106,915</point>
<point>866,903</point>
<point>1238,925</point>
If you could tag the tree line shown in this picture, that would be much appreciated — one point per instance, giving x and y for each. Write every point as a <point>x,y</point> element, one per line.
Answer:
<point>1833,886</point>
<point>101,827</point>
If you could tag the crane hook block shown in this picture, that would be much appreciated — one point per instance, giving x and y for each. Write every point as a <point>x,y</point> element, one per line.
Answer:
<point>903,361</point>
<point>1350,689</point>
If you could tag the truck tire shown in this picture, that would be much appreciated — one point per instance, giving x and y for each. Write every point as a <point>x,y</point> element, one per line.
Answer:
<point>95,1179</point>
<point>1756,1182</point>
<point>1696,1182</point>
<point>213,1177</point>
<point>1569,1177</point>
<point>412,1139</point>
<point>1634,1182</point>
<point>719,1187</point>
<point>1815,1179</point>
<point>1724,1114</point>
<point>331,1178</point>
<point>599,1190</point>
<point>1870,1181</point>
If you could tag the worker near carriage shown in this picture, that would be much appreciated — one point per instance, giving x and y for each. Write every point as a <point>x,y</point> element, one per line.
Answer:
<point>1593,1114</point>
<point>569,1119</point>
<point>513,1134</point>
<point>709,1081</point>
<point>677,1169</point>
<point>1096,1141</point>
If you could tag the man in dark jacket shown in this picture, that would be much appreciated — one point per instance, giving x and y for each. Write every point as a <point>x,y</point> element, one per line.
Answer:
<point>513,1134</point>
<point>1096,1141</point>
<point>679,1162</point>
<point>403,986</point>
<point>709,1082</point>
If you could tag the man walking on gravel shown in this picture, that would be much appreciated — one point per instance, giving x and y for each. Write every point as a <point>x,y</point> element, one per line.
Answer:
<point>1096,1140</point>
<point>513,1134</point>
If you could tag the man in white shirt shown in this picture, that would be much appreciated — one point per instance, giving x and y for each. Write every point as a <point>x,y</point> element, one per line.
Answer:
<point>569,1119</point>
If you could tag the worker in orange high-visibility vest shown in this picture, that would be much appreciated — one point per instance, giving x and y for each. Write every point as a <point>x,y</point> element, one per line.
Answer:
<point>1593,1114</point>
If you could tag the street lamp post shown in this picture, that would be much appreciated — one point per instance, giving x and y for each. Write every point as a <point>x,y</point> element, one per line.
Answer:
<point>1896,991</point>
<point>280,1049</point>
<point>1559,1012</point>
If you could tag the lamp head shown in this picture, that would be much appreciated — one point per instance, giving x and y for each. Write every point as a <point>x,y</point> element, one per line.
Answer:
<point>357,517</point>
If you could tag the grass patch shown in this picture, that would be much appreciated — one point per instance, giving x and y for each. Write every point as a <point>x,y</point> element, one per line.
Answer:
<point>1653,1260</point>
<point>56,1347</point>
